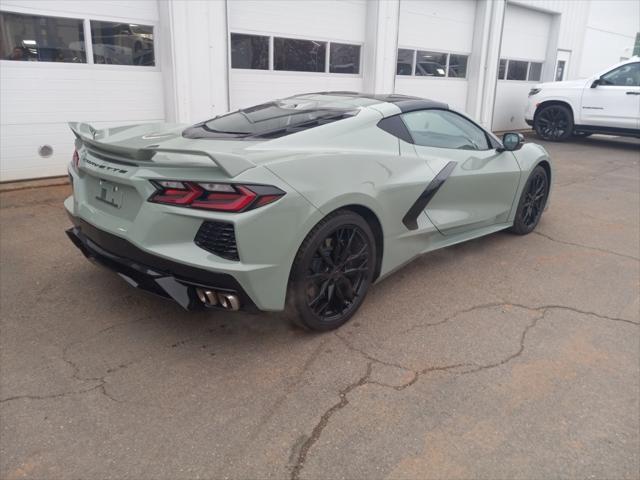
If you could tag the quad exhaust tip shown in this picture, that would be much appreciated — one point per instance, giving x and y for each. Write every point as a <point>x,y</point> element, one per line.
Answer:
<point>211,298</point>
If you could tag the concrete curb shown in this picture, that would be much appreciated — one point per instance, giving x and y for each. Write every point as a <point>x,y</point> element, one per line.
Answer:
<point>39,183</point>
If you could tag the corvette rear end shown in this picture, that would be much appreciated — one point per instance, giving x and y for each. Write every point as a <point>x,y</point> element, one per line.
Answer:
<point>202,226</point>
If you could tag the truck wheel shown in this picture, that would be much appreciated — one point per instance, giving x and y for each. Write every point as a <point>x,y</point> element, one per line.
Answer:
<point>554,123</point>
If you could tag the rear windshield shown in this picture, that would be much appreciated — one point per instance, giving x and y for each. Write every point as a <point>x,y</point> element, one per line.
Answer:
<point>270,120</point>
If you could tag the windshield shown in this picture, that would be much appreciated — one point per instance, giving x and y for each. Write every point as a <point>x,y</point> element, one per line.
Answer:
<point>270,120</point>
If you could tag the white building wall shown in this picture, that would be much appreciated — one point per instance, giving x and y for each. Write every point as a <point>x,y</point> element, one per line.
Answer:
<point>192,81</point>
<point>193,45</point>
<point>440,26</point>
<point>525,36</point>
<point>572,17</point>
<point>324,20</point>
<point>37,99</point>
<point>610,34</point>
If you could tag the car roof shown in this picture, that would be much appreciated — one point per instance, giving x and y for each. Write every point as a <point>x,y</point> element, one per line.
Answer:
<point>405,103</point>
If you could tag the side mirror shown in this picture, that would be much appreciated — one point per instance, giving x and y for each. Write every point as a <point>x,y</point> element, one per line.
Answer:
<point>512,141</point>
<point>595,83</point>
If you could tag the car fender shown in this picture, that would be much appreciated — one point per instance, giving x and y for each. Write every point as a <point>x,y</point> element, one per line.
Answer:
<point>387,185</point>
<point>570,101</point>
<point>529,157</point>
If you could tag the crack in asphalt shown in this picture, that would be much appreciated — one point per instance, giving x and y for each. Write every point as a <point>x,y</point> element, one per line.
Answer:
<point>454,368</point>
<point>53,395</point>
<point>102,382</point>
<point>324,420</point>
<point>510,304</point>
<point>454,315</point>
<point>419,373</point>
<point>588,247</point>
<point>513,356</point>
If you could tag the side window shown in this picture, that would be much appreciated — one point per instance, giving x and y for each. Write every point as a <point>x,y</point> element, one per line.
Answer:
<point>444,129</point>
<point>624,76</point>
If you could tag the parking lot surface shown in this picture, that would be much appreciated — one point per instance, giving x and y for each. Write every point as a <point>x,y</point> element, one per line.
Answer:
<point>504,357</point>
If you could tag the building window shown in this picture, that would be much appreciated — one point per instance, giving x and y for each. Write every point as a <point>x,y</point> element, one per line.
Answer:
<point>535,71</point>
<point>41,39</point>
<point>122,43</point>
<point>431,64</point>
<point>516,70</point>
<point>249,51</point>
<point>519,70</point>
<point>344,58</point>
<point>299,55</point>
<point>404,65</point>
<point>457,66</point>
<point>560,70</point>
<point>502,69</point>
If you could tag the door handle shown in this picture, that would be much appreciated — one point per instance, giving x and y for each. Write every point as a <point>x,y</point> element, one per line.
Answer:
<point>633,93</point>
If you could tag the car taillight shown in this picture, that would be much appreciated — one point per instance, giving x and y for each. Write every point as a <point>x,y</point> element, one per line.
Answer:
<point>222,197</point>
<point>75,160</point>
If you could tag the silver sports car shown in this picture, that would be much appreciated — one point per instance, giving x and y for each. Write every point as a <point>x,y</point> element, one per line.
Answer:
<point>297,203</point>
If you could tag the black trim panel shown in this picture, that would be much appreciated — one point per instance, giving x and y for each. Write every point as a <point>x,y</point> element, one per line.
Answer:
<point>396,127</point>
<point>410,219</point>
<point>630,132</point>
<point>154,274</point>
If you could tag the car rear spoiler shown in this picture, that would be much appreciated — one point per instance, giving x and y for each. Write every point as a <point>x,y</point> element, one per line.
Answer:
<point>232,164</point>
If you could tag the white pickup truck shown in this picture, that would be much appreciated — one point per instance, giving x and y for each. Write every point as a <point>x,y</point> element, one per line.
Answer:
<point>608,103</point>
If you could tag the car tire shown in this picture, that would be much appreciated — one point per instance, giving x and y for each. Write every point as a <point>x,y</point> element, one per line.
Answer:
<point>554,123</point>
<point>332,272</point>
<point>532,202</point>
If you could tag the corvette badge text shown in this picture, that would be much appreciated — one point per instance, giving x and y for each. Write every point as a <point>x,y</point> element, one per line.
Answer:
<point>104,167</point>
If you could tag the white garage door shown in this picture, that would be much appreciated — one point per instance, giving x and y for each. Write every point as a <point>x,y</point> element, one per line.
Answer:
<point>434,44</point>
<point>89,61</point>
<point>281,48</point>
<point>522,56</point>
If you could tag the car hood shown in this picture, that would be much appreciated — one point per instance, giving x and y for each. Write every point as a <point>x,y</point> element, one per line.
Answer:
<point>566,84</point>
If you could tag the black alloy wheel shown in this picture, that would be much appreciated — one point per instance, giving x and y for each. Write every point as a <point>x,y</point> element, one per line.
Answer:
<point>532,202</point>
<point>333,271</point>
<point>554,122</point>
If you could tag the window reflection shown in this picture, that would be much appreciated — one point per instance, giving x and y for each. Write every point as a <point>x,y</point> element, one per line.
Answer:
<point>41,39</point>
<point>344,58</point>
<point>249,51</point>
<point>431,64</point>
<point>405,62</point>
<point>299,55</point>
<point>517,70</point>
<point>122,43</point>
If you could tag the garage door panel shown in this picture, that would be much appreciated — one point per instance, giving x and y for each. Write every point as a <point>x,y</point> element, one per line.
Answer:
<point>311,20</point>
<point>343,20</point>
<point>525,38</point>
<point>525,33</point>
<point>438,24</point>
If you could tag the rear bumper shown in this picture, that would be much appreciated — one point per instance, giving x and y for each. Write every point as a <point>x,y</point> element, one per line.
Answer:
<point>166,278</point>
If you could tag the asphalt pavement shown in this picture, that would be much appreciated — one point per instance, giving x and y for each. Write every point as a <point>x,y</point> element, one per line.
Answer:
<point>502,358</point>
